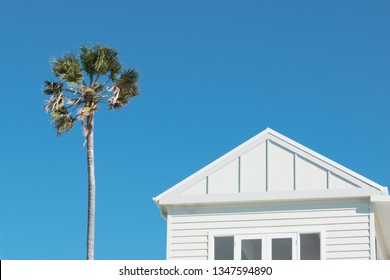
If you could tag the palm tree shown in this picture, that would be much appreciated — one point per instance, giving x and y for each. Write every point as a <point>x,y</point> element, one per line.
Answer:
<point>94,76</point>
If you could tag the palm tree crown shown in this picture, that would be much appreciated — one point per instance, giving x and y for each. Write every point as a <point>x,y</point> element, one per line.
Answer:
<point>95,76</point>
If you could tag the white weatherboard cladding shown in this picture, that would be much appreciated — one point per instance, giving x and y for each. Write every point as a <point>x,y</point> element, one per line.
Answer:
<point>346,226</point>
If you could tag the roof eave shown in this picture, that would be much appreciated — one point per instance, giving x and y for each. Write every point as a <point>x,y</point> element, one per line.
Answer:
<point>163,209</point>
<point>265,197</point>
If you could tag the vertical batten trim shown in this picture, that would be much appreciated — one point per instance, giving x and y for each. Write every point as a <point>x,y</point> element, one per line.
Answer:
<point>239,174</point>
<point>266,164</point>
<point>207,184</point>
<point>295,172</point>
<point>328,179</point>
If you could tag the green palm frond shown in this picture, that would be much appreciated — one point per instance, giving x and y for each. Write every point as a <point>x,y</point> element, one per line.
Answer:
<point>52,87</point>
<point>62,120</point>
<point>67,68</point>
<point>106,59</point>
<point>100,60</point>
<point>125,88</point>
<point>87,58</point>
<point>114,68</point>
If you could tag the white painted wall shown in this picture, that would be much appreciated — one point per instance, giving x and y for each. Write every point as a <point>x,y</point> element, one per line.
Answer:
<point>280,168</point>
<point>253,170</point>
<point>310,176</point>
<point>225,180</point>
<point>346,225</point>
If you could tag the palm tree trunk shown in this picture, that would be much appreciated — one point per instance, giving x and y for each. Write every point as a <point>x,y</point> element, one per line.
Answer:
<point>91,190</point>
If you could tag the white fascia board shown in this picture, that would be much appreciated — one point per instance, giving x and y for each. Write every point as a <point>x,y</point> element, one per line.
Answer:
<point>378,199</point>
<point>266,197</point>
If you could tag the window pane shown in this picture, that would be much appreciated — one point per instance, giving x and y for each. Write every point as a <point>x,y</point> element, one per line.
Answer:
<point>251,249</point>
<point>224,248</point>
<point>282,249</point>
<point>310,246</point>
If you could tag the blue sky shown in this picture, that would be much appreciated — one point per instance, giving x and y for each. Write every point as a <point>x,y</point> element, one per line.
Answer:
<point>213,74</point>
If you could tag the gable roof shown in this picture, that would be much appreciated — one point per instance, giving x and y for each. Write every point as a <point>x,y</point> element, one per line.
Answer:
<point>269,167</point>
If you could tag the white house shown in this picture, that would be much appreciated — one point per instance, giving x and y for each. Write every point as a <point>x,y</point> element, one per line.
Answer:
<point>272,198</point>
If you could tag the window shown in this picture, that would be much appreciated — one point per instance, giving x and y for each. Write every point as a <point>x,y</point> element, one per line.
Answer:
<point>268,246</point>
<point>251,249</point>
<point>310,248</point>
<point>224,248</point>
<point>281,249</point>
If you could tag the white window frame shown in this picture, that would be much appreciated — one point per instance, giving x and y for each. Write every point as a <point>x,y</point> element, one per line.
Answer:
<point>237,243</point>
<point>322,242</point>
<point>292,235</point>
<point>293,232</point>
